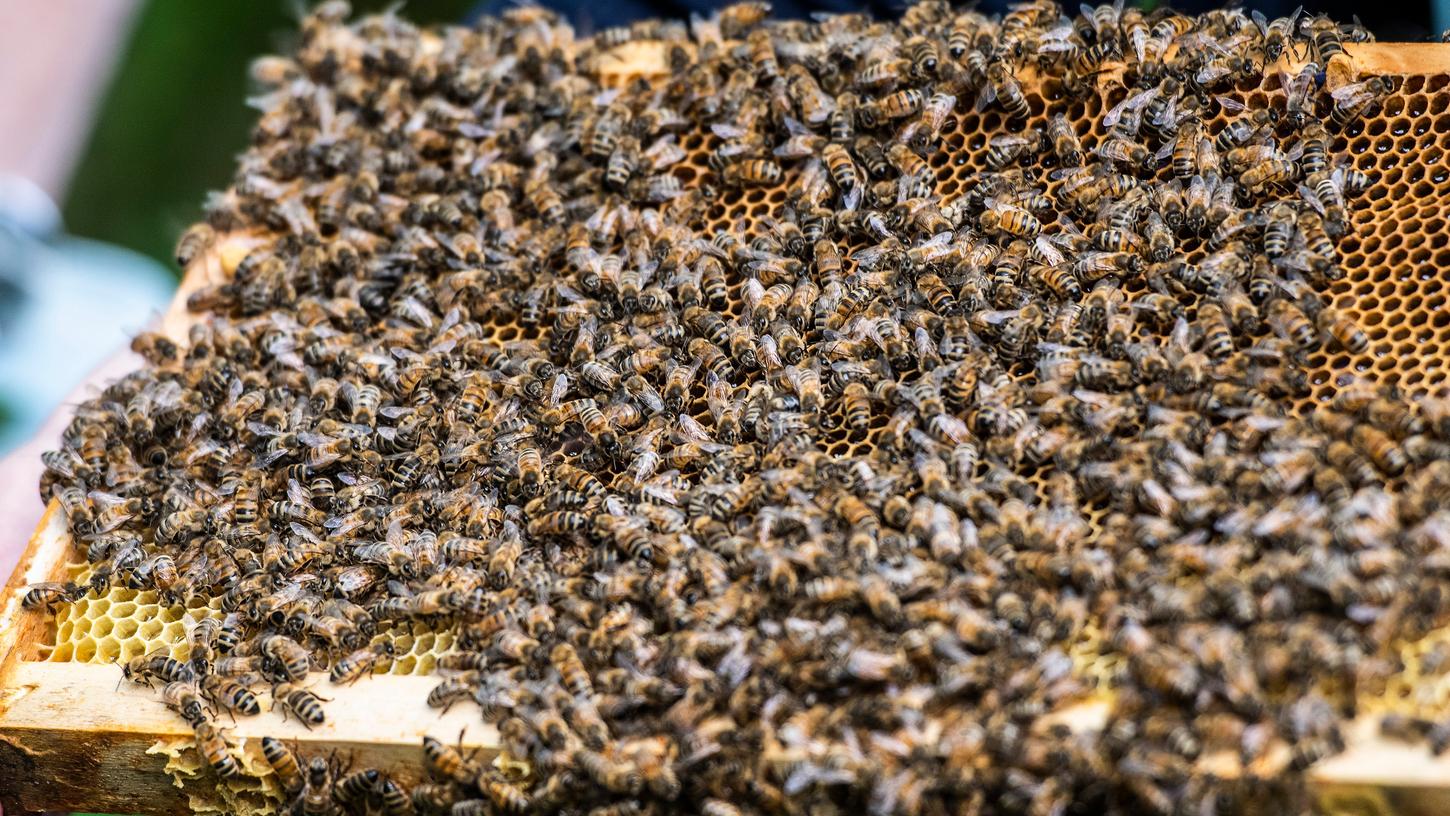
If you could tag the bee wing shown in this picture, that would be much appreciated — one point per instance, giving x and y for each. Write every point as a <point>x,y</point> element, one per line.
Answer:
<point>998,316</point>
<point>851,200</point>
<point>648,439</point>
<point>648,397</point>
<point>728,131</point>
<point>1298,261</point>
<point>165,396</point>
<point>296,493</point>
<point>273,457</point>
<point>1260,21</point>
<point>871,257</point>
<point>261,429</point>
<point>1203,42</point>
<point>1349,92</point>
<point>1229,104</point>
<point>1311,198</point>
<point>925,345</point>
<point>396,536</point>
<point>985,98</point>
<point>794,127</point>
<point>341,526</point>
<point>663,152</point>
<point>663,492</point>
<point>1297,85</point>
<point>1134,102</point>
<point>1179,339</point>
<point>103,500</point>
<point>559,388</point>
<point>1063,172</point>
<point>716,388</point>
<point>940,239</point>
<point>1047,248</point>
<point>314,439</point>
<point>1170,115</point>
<point>302,532</point>
<point>705,29</point>
<point>954,428</point>
<point>380,360</point>
<point>693,430</point>
<point>1057,39</point>
<point>389,435</point>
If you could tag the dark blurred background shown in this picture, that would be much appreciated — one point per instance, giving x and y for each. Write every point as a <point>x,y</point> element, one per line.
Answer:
<point>117,117</point>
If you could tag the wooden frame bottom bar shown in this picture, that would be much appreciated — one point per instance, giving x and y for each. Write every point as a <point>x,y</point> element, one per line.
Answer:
<point>70,740</point>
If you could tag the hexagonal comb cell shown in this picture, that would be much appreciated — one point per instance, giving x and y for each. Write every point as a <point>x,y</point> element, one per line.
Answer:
<point>122,624</point>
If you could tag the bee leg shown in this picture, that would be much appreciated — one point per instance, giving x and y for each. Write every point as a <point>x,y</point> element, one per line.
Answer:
<point>215,711</point>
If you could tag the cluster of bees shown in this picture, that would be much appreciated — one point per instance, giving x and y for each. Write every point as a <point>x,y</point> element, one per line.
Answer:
<point>806,516</point>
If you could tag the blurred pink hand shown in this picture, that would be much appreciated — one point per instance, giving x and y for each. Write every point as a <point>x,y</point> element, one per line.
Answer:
<point>20,504</point>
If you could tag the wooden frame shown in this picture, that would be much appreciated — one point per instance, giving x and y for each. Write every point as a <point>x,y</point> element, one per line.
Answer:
<point>71,740</point>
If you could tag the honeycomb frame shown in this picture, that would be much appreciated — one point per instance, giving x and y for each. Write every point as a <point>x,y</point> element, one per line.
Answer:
<point>1394,287</point>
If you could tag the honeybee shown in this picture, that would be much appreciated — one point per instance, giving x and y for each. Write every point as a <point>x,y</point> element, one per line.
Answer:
<point>317,795</point>
<point>1009,148</point>
<point>284,764</point>
<point>184,699</point>
<point>1009,219</point>
<point>1001,86</point>
<point>1064,140</point>
<point>841,123</point>
<point>1125,152</point>
<point>50,595</point>
<point>1264,173</point>
<point>230,695</point>
<point>359,663</point>
<point>1336,324</point>
<point>844,174</point>
<point>158,666</point>
<point>194,242</point>
<point>621,778</point>
<point>1358,99</point>
<point>559,522</point>
<point>1217,336</point>
<point>1290,323</point>
<point>762,55</point>
<point>755,172</point>
<point>1381,448</point>
<point>211,743</point>
<point>284,656</point>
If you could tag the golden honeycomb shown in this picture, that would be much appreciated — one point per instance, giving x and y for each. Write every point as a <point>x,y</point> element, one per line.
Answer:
<point>1392,288</point>
<point>123,624</point>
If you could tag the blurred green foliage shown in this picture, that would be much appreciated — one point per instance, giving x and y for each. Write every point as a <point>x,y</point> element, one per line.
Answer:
<point>174,118</point>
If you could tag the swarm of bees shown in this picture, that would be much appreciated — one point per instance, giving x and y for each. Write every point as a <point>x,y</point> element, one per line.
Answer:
<point>801,517</point>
